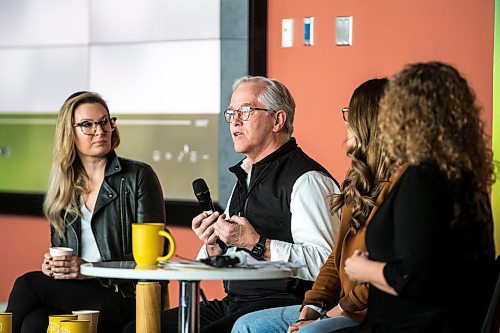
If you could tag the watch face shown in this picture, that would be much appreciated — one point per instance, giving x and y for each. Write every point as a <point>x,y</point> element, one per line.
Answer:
<point>259,249</point>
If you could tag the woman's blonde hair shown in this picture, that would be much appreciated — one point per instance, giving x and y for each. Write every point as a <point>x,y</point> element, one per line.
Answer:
<point>68,179</point>
<point>429,113</point>
<point>369,167</point>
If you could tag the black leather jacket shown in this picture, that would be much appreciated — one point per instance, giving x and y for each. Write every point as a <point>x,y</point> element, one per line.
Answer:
<point>130,193</point>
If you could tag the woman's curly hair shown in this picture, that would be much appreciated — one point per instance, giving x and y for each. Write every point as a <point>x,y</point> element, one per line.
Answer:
<point>369,164</point>
<point>430,113</point>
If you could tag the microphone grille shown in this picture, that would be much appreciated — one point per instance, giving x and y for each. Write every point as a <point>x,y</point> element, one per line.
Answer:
<point>199,185</point>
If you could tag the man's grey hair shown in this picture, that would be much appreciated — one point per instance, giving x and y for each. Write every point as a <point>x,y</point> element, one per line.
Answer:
<point>274,95</point>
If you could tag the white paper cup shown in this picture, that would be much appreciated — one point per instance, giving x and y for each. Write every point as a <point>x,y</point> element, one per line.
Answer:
<point>60,251</point>
<point>92,315</point>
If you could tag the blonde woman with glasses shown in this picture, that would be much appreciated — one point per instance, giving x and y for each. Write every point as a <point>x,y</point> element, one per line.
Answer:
<point>92,199</point>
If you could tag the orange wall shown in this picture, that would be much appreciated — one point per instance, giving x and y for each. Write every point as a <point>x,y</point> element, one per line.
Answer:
<point>25,239</point>
<point>386,35</point>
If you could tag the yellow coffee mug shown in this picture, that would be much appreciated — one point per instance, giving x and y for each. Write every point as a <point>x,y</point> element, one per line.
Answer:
<point>5,322</point>
<point>148,240</point>
<point>75,326</point>
<point>55,322</point>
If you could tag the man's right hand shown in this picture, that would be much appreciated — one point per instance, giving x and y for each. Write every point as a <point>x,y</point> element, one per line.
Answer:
<point>202,226</point>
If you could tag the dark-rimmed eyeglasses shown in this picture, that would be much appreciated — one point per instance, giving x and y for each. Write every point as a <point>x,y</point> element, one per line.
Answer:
<point>345,113</point>
<point>243,112</point>
<point>89,127</point>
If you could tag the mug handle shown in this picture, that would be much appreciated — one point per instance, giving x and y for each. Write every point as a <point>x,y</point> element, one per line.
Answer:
<point>171,247</point>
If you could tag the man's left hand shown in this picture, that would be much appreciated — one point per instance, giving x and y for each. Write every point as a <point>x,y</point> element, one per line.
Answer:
<point>237,232</point>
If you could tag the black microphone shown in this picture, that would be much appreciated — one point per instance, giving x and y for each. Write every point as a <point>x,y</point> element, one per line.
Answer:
<point>202,193</point>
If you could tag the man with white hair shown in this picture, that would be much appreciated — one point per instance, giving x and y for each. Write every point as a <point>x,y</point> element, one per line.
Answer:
<point>278,209</point>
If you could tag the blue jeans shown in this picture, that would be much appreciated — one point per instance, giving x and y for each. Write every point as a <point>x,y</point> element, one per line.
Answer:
<point>278,320</point>
<point>218,316</point>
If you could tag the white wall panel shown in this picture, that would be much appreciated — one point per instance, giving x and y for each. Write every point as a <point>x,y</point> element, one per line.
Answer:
<point>167,77</point>
<point>154,20</point>
<point>40,79</point>
<point>43,22</point>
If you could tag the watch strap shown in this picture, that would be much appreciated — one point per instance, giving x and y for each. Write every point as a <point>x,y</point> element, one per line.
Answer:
<point>260,248</point>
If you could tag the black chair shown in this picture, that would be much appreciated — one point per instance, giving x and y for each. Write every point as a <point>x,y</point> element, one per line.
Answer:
<point>492,321</point>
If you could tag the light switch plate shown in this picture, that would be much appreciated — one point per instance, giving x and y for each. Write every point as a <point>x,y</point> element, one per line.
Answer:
<point>287,33</point>
<point>343,30</point>
<point>308,31</point>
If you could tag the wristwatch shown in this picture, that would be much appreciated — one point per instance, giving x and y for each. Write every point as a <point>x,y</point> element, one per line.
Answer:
<point>260,248</point>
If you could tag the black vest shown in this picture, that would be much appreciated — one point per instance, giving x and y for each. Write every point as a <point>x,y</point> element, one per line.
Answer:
<point>266,204</point>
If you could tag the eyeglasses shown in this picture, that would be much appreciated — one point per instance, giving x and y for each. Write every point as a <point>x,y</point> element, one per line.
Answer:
<point>90,127</point>
<point>345,114</point>
<point>243,112</point>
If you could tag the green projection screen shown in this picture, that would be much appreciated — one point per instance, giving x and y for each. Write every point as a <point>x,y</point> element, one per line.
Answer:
<point>179,147</point>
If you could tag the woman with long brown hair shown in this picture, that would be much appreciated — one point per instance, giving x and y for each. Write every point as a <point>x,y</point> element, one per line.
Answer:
<point>430,259</point>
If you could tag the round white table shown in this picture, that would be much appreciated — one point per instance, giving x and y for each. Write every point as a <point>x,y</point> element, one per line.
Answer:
<point>189,278</point>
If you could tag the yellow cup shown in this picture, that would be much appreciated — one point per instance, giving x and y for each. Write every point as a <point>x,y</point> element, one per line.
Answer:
<point>5,322</point>
<point>148,240</point>
<point>75,326</point>
<point>55,322</point>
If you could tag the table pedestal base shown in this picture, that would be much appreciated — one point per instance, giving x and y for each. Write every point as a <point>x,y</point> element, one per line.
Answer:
<point>189,309</point>
<point>148,307</point>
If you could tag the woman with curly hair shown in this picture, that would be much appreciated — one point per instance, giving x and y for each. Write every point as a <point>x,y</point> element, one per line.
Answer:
<point>335,301</point>
<point>93,198</point>
<point>430,260</point>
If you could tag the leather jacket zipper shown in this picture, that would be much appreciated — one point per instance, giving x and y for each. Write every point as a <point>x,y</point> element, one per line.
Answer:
<point>122,213</point>
<point>77,250</point>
